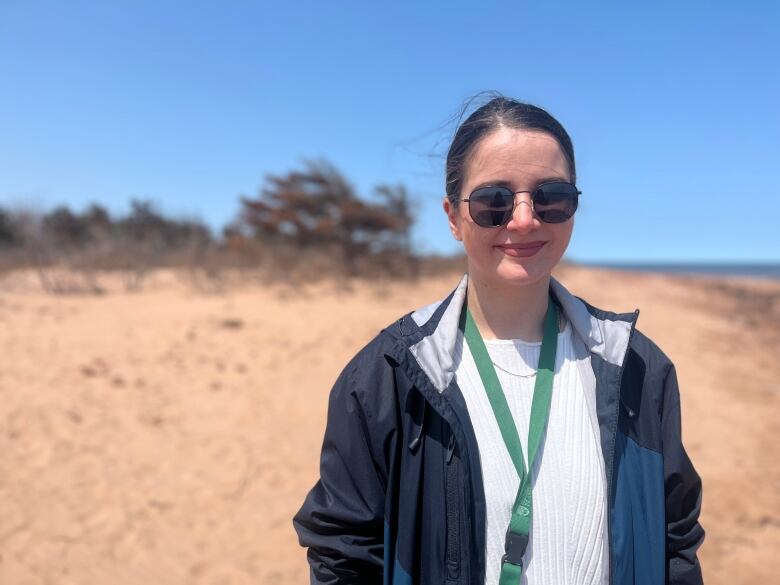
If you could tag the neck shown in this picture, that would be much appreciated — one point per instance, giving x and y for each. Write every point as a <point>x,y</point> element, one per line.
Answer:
<point>508,312</point>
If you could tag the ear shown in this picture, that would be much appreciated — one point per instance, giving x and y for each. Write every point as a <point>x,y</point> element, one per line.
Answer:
<point>453,217</point>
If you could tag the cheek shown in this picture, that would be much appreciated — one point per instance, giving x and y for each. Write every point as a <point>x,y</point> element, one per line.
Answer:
<point>476,240</point>
<point>563,235</point>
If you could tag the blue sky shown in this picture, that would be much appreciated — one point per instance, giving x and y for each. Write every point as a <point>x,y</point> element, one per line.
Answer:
<point>672,107</point>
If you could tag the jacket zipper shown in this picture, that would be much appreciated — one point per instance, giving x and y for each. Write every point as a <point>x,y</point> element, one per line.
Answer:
<point>453,512</point>
<point>612,450</point>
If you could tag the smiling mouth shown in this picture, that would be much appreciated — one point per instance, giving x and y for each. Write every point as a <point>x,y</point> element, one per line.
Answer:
<point>529,246</point>
<point>521,250</point>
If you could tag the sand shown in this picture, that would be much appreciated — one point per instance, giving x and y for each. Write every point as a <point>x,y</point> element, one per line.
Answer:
<point>168,435</point>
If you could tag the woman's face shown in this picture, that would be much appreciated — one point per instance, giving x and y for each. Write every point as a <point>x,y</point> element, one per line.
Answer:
<point>521,160</point>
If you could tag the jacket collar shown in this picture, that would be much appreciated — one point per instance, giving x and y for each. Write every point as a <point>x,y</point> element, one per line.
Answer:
<point>439,350</point>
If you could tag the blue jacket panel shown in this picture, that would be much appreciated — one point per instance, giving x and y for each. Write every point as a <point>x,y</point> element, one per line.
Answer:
<point>400,497</point>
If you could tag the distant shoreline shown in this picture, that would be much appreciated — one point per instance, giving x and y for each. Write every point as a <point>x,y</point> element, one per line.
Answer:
<point>752,270</point>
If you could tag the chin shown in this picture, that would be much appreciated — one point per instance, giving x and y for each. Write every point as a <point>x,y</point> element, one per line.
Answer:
<point>518,275</point>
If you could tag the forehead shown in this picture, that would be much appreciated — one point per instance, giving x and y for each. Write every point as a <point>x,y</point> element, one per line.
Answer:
<point>516,155</point>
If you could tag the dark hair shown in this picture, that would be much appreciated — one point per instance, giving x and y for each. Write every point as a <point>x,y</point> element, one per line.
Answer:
<point>499,112</point>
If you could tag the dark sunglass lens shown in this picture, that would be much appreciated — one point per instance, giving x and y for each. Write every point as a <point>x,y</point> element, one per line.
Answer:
<point>555,202</point>
<point>491,206</point>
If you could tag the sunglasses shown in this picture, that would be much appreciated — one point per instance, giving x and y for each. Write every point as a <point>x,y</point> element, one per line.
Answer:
<point>553,202</point>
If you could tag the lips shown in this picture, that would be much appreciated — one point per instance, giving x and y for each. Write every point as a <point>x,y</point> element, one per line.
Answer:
<point>526,246</point>
<point>521,250</point>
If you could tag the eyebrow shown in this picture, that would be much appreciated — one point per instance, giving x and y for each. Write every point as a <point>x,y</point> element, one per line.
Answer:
<point>508,184</point>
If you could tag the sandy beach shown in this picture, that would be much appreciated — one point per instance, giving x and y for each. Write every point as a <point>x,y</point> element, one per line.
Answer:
<point>168,435</point>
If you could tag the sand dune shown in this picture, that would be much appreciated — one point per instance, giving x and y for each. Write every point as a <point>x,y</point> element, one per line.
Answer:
<point>167,436</point>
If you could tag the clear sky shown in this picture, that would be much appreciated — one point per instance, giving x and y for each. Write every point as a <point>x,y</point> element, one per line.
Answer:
<point>672,107</point>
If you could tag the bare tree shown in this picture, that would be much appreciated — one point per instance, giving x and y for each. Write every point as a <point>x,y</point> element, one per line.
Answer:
<point>318,208</point>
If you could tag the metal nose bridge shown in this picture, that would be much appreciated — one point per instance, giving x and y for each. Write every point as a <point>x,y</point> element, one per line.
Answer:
<point>515,203</point>
<point>514,200</point>
<point>516,206</point>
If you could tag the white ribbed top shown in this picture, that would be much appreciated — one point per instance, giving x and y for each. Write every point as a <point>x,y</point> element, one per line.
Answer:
<point>569,531</point>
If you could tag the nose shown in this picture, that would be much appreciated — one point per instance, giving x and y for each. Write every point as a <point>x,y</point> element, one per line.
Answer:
<point>523,217</point>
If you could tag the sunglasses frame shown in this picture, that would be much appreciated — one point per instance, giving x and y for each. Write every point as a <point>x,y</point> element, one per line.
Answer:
<point>514,202</point>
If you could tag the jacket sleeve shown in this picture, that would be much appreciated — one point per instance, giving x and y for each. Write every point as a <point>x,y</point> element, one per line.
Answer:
<point>342,518</point>
<point>683,492</point>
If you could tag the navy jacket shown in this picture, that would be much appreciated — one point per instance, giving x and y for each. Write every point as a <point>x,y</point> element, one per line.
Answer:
<point>400,498</point>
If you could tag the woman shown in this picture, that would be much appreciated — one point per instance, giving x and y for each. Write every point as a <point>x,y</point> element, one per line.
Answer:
<point>431,427</point>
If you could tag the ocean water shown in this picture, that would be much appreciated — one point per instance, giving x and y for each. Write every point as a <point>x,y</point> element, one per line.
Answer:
<point>753,270</point>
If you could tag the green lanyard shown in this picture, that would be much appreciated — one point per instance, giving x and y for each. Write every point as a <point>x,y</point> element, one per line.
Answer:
<point>520,521</point>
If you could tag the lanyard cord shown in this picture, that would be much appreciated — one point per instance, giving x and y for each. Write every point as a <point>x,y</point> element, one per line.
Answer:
<point>520,521</point>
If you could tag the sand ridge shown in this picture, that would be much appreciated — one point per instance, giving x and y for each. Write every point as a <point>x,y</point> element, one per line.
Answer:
<point>167,436</point>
